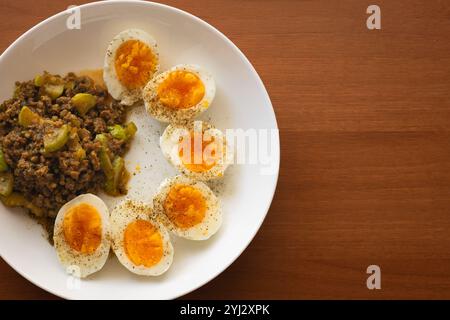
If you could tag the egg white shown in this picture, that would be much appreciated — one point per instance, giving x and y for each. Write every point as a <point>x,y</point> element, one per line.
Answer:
<point>121,216</point>
<point>213,216</point>
<point>115,88</point>
<point>170,140</point>
<point>165,114</point>
<point>76,263</point>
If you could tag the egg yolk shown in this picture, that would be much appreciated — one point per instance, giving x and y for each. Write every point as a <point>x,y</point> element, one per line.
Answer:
<point>143,243</point>
<point>135,64</point>
<point>82,226</point>
<point>185,206</point>
<point>197,154</point>
<point>181,90</point>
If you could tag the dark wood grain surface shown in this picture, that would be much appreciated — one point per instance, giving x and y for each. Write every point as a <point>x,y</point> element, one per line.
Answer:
<point>364,119</point>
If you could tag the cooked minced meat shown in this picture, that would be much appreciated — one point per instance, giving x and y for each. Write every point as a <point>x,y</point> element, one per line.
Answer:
<point>46,179</point>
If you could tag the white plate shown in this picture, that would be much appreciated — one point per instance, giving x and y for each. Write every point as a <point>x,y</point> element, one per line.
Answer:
<point>241,102</point>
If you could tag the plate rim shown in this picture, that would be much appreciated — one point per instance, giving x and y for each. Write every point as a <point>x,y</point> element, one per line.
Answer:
<point>277,159</point>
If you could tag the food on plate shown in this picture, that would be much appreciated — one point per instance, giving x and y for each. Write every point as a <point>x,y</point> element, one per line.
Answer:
<point>58,140</point>
<point>131,61</point>
<point>83,102</point>
<point>197,149</point>
<point>62,139</point>
<point>179,94</point>
<point>3,164</point>
<point>188,208</point>
<point>82,235</point>
<point>139,241</point>
<point>27,117</point>
<point>6,183</point>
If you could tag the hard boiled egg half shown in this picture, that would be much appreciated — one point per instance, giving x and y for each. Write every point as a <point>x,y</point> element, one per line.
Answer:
<point>188,208</point>
<point>179,94</point>
<point>131,61</point>
<point>81,235</point>
<point>139,241</point>
<point>197,149</point>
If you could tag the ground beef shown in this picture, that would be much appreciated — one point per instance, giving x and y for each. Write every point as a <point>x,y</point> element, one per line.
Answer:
<point>49,180</point>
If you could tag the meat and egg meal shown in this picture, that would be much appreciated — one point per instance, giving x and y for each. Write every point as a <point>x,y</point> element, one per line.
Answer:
<point>63,139</point>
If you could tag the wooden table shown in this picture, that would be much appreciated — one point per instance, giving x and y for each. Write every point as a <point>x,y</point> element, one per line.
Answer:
<point>364,118</point>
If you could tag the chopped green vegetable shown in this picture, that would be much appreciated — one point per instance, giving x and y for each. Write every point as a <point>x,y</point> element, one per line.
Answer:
<point>121,133</point>
<point>115,172</point>
<point>131,129</point>
<point>55,141</point>
<point>38,80</point>
<point>118,132</point>
<point>103,139</point>
<point>28,117</point>
<point>17,200</point>
<point>54,90</point>
<point>3,164</point>
<point>6,183</point>
<point>105,161</point>
<point>83,102</point>
<point>52,86</point>
<point>74,144</point>
<point>113,182</point>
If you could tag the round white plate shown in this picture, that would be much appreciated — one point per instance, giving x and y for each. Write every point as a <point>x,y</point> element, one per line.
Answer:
<point>241,102</point>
